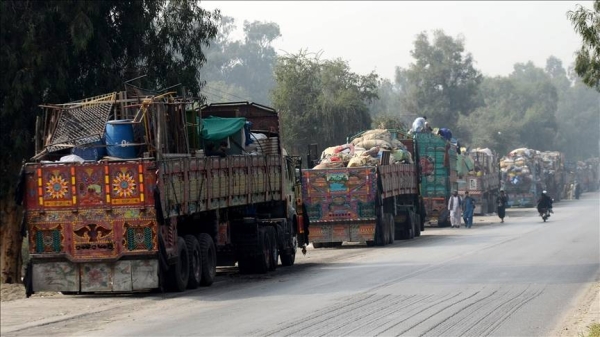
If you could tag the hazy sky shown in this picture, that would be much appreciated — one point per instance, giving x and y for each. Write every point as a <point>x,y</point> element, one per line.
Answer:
<point>378,35</point>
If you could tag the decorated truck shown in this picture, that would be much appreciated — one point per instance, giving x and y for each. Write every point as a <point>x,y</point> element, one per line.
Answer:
<point>120,198</point>
<point>482,179</point>
<point>370,197</point>
<point>522,177</point>
<point>437,160</point>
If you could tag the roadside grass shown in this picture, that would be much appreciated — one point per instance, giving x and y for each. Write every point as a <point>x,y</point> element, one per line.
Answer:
<point>594,330</point>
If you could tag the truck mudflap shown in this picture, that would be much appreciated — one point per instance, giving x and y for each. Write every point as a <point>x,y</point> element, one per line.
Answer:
<point>119,276</point>
<point>342,232</point>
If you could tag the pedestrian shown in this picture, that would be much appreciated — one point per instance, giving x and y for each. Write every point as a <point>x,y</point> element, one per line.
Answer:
<point>468,207</point>
<point>454,206</point>
<point>502,201</point>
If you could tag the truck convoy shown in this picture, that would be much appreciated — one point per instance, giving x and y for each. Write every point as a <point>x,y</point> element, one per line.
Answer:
<point>482,179</point>
<point>554,173</point>
<point>119,198</point>
<point>365,191</point>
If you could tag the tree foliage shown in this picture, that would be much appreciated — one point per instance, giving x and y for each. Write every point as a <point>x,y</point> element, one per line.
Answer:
<point>56,51</point>
<point>321,102</point>
<point>442,83</point>
<point>587,24</point>
<point>246,65</point>
<point>518,111</point>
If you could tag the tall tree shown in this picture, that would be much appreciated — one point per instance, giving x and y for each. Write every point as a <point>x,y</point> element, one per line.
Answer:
<point>245,67</point>
<point>321,101</point>
<point>587,24</point>
<point>55,51</point>
<point>518,111</point>
<point>442,82</point>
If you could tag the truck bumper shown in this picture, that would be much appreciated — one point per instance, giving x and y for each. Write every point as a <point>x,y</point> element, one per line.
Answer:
<point>119,276</point>
<point>342,232</point>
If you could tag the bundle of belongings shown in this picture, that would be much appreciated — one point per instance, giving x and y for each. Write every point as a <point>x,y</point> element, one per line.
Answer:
<point>366,150</point>
<point>517,168</point>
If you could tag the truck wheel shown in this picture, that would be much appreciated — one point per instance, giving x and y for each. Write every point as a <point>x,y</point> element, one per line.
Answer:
<point>417,225</point>
<point>195,261</point>
<point>263,256</point>
<point>392,228</point>
<point>209,259</point>
<point>288,258</point>
<point>443,218</point>
<point>179,273</point>
<point>274,248</point>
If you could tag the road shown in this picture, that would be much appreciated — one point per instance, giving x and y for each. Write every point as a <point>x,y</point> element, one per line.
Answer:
<point>520,278</point>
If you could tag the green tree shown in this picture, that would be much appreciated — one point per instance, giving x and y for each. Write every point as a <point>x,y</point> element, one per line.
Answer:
<point>245,65</point>
<point>56,51</point>
<point>518,111</point>
<point>587,24</point>
<point>442,83</point>
<point>320,101</point>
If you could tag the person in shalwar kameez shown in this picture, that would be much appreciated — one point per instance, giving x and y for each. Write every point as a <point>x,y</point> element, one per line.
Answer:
<point>455,206</point>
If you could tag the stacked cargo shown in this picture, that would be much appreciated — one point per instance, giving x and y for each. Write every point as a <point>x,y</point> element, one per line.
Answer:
<point>367,149</point>
<point>521,176</point>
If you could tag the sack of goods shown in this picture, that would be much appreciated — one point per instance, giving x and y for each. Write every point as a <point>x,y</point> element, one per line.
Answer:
<point>365,150</point>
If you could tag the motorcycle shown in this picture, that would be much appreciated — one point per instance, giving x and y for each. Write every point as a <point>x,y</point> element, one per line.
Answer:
<point>545,213</point>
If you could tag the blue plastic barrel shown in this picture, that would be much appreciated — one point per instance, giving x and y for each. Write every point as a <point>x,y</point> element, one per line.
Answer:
<point>119,139</point>
<point>92,151</point>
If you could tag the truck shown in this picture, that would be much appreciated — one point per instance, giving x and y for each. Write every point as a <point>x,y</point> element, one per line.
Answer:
<point>120,198</point>
<point>368,204</point>
<point>554,176</point>
<point>482,180</point>
<point>522,177</point>
<point>437,158</point>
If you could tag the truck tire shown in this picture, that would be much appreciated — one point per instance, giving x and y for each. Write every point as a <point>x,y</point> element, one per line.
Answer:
<point>179,273</point>
<point>443,219</point>
<point>417,225</point>
<point>274,248</point>
<point>288,256</point>
<point>195,261</point>
<point>209,259</point>
<point>389,221</point>
<point>262,262</point>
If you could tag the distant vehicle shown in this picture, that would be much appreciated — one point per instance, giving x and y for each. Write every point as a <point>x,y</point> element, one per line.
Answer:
<point>482,180</point>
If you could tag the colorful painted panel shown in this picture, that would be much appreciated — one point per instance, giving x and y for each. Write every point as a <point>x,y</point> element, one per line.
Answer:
<point>90,185</point>
<point>125,181</point>
<point>339,194</point>
<point>56,186</point>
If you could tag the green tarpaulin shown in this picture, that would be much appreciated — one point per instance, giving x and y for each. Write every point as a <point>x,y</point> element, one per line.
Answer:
<point>217,128</point>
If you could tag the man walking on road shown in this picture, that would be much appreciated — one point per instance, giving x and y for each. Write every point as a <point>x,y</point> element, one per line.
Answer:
<point>468,208</point>
<point>502,201</point>
<point>454,206</point>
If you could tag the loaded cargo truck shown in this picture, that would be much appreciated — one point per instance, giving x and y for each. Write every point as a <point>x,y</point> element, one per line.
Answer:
<point>554,176</point>
<point>371,204</point>
<point>522,177</point>
<point>437,160</point>
<point>120,198</point>
<point>482,180</point>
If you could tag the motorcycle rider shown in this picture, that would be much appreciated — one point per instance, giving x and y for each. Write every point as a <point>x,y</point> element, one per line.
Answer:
<point>544,202</point>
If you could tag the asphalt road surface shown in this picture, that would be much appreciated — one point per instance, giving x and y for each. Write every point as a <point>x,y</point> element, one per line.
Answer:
<point>519,278</point>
